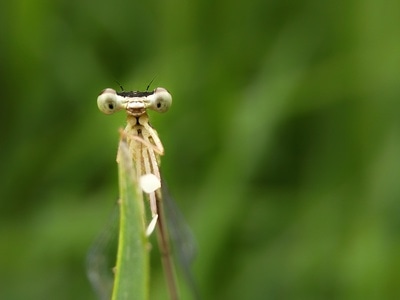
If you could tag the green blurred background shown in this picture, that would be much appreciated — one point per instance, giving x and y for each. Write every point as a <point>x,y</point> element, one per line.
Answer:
<point>282,144</point>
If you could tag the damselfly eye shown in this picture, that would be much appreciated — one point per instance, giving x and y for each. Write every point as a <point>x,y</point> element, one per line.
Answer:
<point>108,101</point>
<point>161,100</point>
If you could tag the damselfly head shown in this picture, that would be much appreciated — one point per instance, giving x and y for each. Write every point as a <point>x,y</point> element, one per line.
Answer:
<point>135,103</point>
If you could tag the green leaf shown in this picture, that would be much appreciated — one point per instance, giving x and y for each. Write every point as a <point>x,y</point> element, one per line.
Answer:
<point>132,268</point>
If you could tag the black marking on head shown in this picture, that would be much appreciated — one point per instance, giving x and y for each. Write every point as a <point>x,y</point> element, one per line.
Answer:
<point>132,94</point>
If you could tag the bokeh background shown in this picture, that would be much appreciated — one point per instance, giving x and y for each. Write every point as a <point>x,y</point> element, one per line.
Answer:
<point>282,144</point>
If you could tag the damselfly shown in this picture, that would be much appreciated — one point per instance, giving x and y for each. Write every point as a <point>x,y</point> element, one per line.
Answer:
<point>143,141</point>
<point>146,148</point>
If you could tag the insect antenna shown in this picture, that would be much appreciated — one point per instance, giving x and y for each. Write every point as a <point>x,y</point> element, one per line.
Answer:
<point>148,86</point>
<point>120,86</point>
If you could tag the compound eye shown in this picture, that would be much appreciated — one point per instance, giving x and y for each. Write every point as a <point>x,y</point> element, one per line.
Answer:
<point>161,100</point>
<point>108,101</point>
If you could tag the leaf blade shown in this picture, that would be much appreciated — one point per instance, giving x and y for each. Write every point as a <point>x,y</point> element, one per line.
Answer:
<point>132,268</point>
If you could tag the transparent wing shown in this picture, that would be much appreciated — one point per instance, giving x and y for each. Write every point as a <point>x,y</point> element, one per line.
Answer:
<point>182,239</point>
<point>101,257</point>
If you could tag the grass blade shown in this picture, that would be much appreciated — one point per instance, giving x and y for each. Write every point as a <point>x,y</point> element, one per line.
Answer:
<point>132,269</point>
